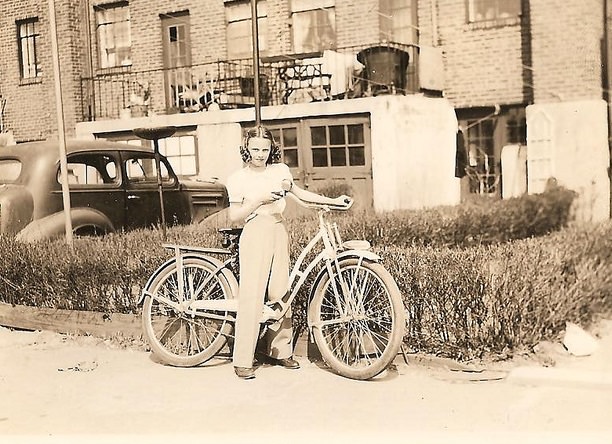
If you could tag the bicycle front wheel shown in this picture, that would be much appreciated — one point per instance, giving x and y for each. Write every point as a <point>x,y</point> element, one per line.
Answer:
<point>178,338</point>
<point>358,318</point>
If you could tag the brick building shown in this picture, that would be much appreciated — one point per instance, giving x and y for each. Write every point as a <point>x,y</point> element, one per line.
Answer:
<point>130,63</point>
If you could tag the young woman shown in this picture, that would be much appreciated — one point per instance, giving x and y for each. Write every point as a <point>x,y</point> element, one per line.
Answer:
<point>256,195</point>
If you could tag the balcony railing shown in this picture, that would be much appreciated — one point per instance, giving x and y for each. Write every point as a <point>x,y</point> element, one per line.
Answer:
<point>358,71</point>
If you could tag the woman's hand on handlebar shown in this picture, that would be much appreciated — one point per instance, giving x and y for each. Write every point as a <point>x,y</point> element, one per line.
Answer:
<point>343,202</point>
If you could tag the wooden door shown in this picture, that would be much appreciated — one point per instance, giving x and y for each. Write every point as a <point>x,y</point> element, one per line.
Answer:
<point>329,155</point>
<point>176,43</point>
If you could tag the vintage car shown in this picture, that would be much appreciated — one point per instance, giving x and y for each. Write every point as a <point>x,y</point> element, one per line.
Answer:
<point>113,187</point>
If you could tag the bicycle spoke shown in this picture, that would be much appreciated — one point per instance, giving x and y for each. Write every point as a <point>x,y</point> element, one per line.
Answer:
<point>356,327</point>
<point>178,334</point>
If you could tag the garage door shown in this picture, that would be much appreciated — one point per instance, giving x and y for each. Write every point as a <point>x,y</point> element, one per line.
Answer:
<point>329,155</point>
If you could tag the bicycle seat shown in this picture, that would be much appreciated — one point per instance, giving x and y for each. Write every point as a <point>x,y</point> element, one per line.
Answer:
<point>230,231</point>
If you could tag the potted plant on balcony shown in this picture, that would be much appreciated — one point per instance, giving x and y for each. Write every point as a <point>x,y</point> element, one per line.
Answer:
<point>139,99</point>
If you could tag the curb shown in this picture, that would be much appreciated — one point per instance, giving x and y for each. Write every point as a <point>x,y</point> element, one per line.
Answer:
<point>561,377</point>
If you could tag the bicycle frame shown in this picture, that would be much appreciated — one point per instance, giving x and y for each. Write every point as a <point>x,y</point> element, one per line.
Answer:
<point>333,250</point>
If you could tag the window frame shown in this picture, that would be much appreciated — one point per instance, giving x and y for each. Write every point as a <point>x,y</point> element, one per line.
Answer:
<point>103,53</point>
<point>80,161</point>
<point>30,40</point>
<point>300,7</point>
<point>497,19</point>
<point>176,161</point>
<point>392,29</point>
<point>234,16</point>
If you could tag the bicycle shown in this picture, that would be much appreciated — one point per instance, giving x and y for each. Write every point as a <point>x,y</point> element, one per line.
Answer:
<point>355,312</point>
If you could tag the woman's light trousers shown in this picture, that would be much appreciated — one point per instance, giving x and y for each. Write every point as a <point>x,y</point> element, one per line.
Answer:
<point>264,275</point>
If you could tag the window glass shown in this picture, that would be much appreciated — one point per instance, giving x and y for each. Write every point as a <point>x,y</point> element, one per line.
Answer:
<point>357,156</point>
<point>114,35</point>
<point>290,137</point>
<point>338,157</point>
<point>181,153</point>
<point>398,21</point>
<point>492,10</point>
<point>313,25</point>
<point>318,135</point>
<point>27,37</point>
<point>319,157</point>
<point>10,169</point>
<point>336,135</point>
<point>239,32</point>
<point>355,134</point>
<point>141,169</point>
<point>290,157</point>
<point>91,169</point>
<point>286,139</point>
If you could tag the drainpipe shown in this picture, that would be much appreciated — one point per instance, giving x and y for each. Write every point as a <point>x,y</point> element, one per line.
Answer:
<point>606,67</point>
<point>434,23</point>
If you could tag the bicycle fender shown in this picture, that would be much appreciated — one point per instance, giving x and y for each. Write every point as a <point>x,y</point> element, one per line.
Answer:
<point>366,254</point>
<point>228,275</point>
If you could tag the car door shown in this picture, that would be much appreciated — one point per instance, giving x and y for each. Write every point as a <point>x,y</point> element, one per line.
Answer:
<point>142,193</point>
<point>94,182</point>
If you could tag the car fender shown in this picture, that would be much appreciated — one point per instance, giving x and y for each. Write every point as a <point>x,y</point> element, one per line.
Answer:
<point>366,255</point>
<point>16,208</point>
<point>53,226</point>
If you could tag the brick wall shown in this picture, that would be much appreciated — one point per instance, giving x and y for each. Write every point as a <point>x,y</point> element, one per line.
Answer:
<point>483,66</point>
<point>553,52</point>
<point>31,111</point>
<point>566,49</point>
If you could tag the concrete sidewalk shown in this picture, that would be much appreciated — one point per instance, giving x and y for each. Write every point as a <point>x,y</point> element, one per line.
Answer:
<point>593,371</point>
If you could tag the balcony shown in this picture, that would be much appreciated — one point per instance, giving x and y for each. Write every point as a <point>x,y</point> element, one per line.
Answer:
<point>346,73</point>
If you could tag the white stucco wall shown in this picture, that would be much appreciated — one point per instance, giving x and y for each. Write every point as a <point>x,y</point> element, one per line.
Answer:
<point>514,170</point>
<point>578,134</point>
<point>412,138</point>
<point>413,153</point>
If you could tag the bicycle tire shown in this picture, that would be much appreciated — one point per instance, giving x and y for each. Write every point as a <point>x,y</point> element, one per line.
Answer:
<point>178,339</point>
<point>363,342</point>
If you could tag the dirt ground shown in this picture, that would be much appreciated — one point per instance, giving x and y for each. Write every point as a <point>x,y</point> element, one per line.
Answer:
<point>57,388</point>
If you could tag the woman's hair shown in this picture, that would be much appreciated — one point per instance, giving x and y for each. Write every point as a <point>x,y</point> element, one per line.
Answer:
<point>264,133</point>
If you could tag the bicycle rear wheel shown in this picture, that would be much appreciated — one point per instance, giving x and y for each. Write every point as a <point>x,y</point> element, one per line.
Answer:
<point>358,330</point>
<point>178,338</point>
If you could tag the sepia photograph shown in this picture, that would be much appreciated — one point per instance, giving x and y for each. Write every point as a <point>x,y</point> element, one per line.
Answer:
<point>298,221</point>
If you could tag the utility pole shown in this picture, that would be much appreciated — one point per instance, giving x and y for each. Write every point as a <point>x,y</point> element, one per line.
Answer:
<point>61,130</point>
<point>255,33</point>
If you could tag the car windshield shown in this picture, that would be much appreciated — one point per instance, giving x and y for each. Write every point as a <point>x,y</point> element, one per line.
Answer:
<point>10,169</point>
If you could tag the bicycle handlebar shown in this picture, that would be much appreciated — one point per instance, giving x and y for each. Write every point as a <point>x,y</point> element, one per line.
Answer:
<point>348,203</point>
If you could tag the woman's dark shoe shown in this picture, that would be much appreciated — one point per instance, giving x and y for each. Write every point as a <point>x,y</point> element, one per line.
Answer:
<point>245,372</point>
<point>287,363</point>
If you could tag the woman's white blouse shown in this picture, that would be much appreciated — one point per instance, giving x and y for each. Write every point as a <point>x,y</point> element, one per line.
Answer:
<point>248,184</point>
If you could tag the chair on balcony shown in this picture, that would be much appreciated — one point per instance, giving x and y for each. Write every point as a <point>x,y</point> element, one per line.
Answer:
<point>198,96</point>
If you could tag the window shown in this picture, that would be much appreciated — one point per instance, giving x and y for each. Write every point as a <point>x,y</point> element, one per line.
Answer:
<point>181,153</point>
<point>176,40</point>
<point>338,145</point>
<point>314,25</point>
<point>239,32</point>
<point>10,169</point>
<point>26,40</point>
<point>516,127</point>
<point>494,10</point>
<point>287,140</point>
<point>481,167</point>
<point>91,169</point>
<point>141,169</point>
<point>114,37</point>
<point>398,21</point>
